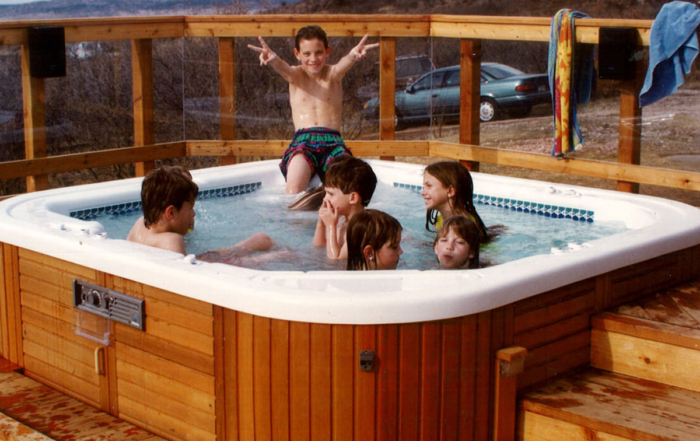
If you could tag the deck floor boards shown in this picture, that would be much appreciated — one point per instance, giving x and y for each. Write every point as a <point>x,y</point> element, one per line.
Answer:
<point>58,416</point>
<point>604,403</point>
<point>620,405</point>
<point>679,306</point>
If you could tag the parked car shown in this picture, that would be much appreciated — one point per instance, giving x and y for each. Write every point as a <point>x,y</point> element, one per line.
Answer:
<point>408,70</point>
<point>504,89</point>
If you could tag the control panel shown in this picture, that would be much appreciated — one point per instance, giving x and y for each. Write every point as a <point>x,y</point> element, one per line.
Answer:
<point>108,303</point>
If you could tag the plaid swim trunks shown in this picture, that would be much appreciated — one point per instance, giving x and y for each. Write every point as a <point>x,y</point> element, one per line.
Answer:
<point>319,146</point>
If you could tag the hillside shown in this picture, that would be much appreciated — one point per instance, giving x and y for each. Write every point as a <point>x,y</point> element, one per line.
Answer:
<point>115,8</point>
<point>645,9</point>
<point>642,9</point>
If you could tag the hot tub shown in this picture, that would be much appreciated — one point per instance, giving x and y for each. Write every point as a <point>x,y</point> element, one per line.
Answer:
<point>42,222</point>
<point>278,351</point>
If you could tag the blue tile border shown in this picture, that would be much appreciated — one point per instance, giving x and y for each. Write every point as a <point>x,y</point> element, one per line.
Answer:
<point>553,211</point>
<point>130,207</point>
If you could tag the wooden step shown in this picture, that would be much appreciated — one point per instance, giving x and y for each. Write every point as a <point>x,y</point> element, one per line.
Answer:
<point>656,338</point>
<point>31,411</point>
<point>604,406</point>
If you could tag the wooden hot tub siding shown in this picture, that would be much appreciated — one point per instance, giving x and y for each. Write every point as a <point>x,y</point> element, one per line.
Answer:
<point>201,370</point>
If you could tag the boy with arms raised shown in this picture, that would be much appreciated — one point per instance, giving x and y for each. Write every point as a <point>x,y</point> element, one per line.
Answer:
<point>316,98</point>
<point>349,185</point>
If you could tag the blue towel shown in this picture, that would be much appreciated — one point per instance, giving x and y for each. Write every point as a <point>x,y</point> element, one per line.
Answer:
<point>673,45</point>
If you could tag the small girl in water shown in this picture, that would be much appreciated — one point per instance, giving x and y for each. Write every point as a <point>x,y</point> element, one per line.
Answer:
<point>448,190</point>
<point>374,241</point>
<point>457,243</point>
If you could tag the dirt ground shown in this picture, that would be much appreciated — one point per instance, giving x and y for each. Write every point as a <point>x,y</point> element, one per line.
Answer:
<point>670,139</point>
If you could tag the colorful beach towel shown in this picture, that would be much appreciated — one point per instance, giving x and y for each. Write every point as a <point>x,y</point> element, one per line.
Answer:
<point>571,80</point>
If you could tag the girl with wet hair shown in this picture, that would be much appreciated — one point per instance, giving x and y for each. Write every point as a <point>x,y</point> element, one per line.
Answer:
<point>374,241</point>
<point>457,243</point>
<point>448,190</point>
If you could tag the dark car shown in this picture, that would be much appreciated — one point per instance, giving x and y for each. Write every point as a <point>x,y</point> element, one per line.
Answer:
<point>503,90</point>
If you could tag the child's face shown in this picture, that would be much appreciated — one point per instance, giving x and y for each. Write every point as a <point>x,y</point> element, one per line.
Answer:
<point>389,254</point>
<point>452,251</point>
<point>312,54</point>
<point>340,201</point>
<point>183,218</point>
<point>434,193</point>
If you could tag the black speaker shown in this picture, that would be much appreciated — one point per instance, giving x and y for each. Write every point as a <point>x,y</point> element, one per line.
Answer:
<point>617,53</point>
<point>47,52</point>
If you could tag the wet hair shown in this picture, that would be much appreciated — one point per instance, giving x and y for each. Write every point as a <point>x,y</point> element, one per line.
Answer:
<point>310,200</point>
<point>309,33</point>
<point>369,227</point>
<point>466,228</point>
<point>163,187</point>
<point>350,174</point>
<point>452,173</point>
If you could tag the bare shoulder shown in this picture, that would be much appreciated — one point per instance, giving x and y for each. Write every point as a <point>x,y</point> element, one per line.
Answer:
<point>297,75</point>
<point>165,240</point>
<point>137,232</point>
<point>336,71</point>
<point>169,241</point>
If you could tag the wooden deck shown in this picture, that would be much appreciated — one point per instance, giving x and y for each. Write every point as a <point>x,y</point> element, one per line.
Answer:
<point>643,384</point>
<point>614,407</point>
<point>33,411</point>
<point>678,306</point>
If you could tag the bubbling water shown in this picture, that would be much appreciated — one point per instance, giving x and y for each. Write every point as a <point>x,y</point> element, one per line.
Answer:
<point>223,222</point>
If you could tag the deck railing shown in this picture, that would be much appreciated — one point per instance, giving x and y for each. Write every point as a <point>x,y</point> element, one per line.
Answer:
<point>471,30</point>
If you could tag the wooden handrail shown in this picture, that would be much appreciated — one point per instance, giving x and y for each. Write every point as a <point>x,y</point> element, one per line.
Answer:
<point>338,25</point>
<point>274,148</point>
<point>583,167</point>
<point>82,161</point>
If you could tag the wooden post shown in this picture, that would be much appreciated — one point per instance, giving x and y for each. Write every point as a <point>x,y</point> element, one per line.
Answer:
<point>629,143</point>
<point>227,94</point>
<point>510,363</point>
<point>387,90</point>
<point>34,121</point>
<point>142,77</point>
<point>470,96</point>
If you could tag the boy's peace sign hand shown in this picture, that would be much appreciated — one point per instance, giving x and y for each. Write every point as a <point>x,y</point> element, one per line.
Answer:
<point>360,50</point>
<point>266,54</point>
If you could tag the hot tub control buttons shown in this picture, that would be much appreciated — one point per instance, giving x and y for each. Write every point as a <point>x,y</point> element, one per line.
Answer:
<point>108,303</point>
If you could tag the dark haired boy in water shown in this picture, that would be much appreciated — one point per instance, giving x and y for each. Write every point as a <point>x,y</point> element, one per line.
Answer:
<point>167,199</point>
<point>316,98</point>
<point>349,185</point>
